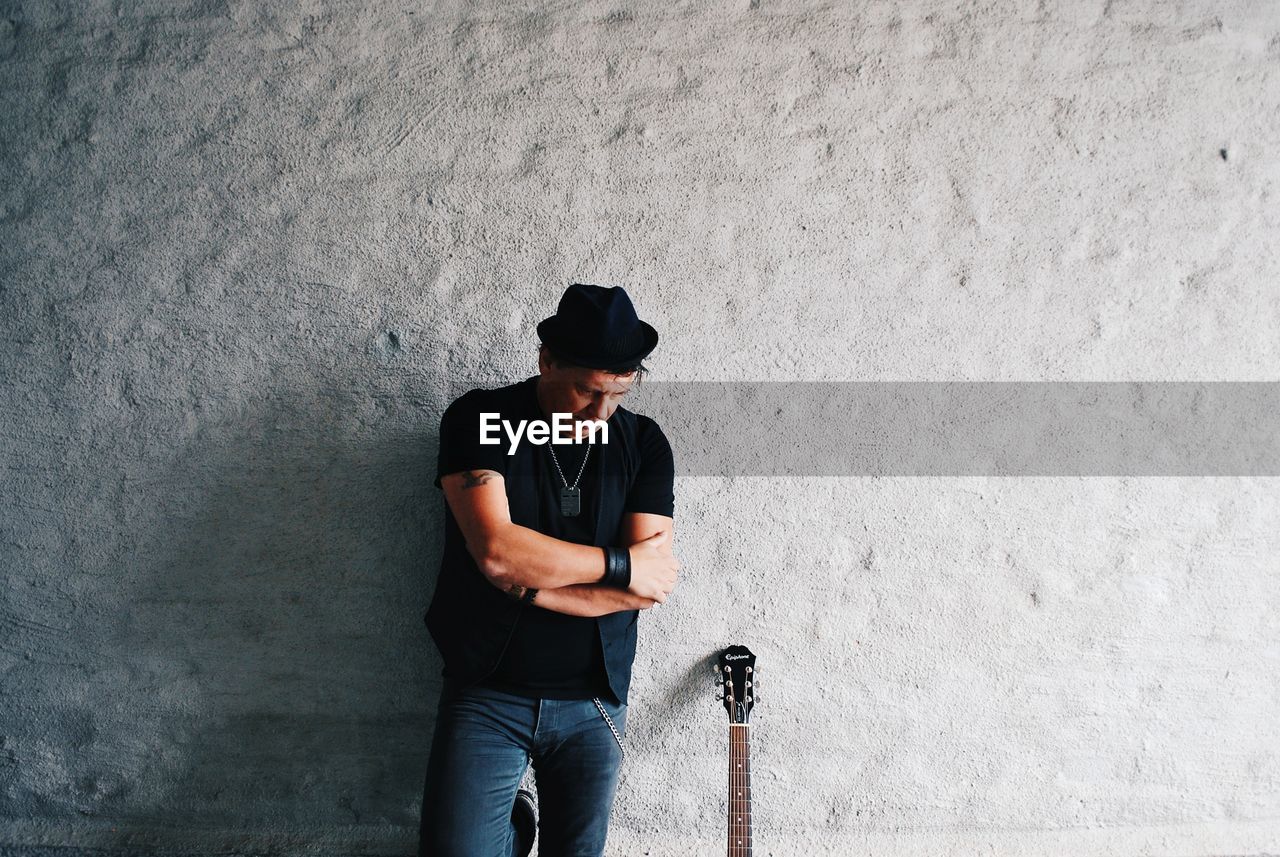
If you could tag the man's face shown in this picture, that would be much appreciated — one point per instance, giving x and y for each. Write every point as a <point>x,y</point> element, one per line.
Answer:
<point>587,394</point>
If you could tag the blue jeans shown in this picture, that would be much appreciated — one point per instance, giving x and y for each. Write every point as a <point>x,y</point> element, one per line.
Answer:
<point>484,741</point>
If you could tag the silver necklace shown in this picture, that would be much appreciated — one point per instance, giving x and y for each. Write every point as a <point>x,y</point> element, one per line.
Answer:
<point>570,495</point>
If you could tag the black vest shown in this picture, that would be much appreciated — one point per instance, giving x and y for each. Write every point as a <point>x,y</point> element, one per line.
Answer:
<point>471,621</point>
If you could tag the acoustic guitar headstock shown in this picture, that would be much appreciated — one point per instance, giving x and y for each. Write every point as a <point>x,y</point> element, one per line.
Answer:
<point>736,677</point>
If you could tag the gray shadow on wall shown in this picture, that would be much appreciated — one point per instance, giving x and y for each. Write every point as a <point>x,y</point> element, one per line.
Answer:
<point>284,616</point>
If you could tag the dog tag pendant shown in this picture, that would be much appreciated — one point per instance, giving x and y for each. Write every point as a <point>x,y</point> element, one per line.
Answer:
<point>570,502</point>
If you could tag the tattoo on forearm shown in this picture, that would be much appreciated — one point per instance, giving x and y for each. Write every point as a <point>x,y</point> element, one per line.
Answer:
<point>474,478</point>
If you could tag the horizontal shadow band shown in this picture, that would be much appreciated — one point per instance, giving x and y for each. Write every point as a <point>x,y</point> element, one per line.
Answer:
<point>969,428</point>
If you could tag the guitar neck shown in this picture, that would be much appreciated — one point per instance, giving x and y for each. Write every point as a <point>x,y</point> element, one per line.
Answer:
<point>739,790</point>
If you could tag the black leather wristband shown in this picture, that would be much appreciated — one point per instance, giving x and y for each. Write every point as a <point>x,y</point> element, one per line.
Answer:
<point>610,566</point>
<point>617,567</point>
<point>624,577</point>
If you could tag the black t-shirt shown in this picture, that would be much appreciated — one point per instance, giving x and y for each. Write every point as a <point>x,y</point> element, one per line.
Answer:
<point>550,654</point>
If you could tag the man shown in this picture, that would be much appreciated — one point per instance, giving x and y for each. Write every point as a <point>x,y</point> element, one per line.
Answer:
<point>551,550</point>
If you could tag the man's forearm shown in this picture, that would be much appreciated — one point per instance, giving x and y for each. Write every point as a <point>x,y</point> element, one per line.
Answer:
<point>525,557</point>
<point>589,599</point>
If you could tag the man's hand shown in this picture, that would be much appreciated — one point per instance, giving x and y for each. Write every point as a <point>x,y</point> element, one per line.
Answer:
<point>653,567</point>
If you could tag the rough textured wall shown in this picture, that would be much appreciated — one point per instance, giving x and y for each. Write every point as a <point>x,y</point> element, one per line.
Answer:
<point>248,252</point>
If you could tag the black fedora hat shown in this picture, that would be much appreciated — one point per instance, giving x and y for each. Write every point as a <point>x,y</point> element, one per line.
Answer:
<point>597,327</point>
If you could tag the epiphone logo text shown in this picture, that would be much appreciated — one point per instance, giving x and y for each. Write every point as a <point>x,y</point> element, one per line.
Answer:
<point>736,657</point>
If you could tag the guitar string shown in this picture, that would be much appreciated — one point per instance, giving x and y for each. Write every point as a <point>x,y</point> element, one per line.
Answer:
<point>735,805</point>
<point>744,793</point>
<point>733,785</point>
<point>739,804</point>
<point>735,842</point>
<point>745,784</point>
<point>737,827</point>
<point>740,843</point>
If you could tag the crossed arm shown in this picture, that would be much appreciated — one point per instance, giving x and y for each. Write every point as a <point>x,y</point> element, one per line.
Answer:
<point>565,574</point>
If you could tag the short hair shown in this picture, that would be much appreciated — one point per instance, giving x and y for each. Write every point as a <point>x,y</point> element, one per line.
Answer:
<point>638,368</point>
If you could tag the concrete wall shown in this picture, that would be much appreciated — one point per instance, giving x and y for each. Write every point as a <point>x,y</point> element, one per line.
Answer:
<point>248,252</point>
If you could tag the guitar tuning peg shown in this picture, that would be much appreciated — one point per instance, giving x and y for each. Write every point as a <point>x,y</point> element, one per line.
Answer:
<point>720,697</point>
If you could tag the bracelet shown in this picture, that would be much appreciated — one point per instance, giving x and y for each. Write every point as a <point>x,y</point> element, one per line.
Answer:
<point>610,566</point>
<point>617,567</point>
<point>625,554</point>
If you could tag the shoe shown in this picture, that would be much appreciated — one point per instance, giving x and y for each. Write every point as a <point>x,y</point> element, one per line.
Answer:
<point>524,817</point>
